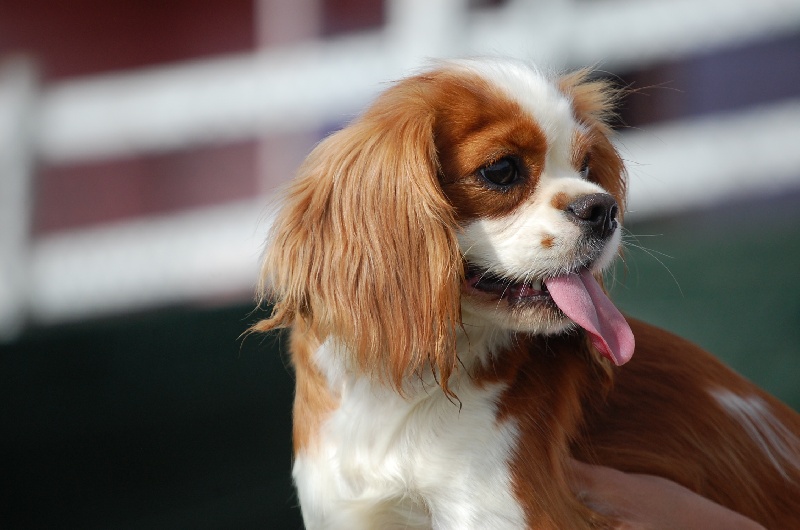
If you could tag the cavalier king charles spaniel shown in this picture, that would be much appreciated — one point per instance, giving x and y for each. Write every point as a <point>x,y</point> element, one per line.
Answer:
<point>438,262</point>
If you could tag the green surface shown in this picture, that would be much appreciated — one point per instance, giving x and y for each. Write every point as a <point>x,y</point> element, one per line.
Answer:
<point>158,421</point>
<point>729,281</point>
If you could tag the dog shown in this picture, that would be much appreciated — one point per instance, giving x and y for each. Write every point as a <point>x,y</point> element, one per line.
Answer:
<point>439,265</point>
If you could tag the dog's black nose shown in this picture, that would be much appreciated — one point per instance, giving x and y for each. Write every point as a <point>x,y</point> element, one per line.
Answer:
<point>597,213</point>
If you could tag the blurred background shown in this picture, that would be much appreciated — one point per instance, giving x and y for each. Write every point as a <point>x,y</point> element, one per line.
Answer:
<point>140,142</point>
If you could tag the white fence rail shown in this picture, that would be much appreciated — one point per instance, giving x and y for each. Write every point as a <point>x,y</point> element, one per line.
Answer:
<point>213,252</point>
<point>322,82</point>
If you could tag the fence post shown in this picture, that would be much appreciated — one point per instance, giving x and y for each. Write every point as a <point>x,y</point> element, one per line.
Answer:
<point>18,94</point>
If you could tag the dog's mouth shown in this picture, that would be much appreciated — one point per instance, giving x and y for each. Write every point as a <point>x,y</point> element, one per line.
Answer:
<point>577,295</point>
<point>513,290</point>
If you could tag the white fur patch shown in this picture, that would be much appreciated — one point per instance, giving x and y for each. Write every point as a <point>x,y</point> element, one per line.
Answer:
<point>780,445</point>
<point>422,461</point>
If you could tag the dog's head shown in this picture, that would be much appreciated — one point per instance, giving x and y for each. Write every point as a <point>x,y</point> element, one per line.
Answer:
<point>481,191</point>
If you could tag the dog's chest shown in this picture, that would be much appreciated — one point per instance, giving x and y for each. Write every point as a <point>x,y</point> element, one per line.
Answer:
<point>432,456</point>
<point>416,439</point>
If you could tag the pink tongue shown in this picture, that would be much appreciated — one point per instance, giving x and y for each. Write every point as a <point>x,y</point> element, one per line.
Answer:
<point>582,299</point>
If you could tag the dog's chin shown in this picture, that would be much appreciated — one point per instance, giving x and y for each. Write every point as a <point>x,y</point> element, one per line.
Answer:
<point>514,306</point>
<point>537,320</point>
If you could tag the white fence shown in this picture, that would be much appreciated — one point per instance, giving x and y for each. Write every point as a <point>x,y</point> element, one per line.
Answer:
<point>214,252</point>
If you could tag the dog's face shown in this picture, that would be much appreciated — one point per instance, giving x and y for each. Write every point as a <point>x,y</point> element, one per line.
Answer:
<point>449,203</point>
<point>522,164</point>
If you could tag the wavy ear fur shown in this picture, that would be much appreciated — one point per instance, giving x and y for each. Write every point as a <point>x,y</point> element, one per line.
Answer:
<point>364,247</point>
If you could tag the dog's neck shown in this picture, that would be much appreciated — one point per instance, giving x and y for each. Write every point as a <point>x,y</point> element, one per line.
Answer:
<point>483,348</point>
<point>480,342</point>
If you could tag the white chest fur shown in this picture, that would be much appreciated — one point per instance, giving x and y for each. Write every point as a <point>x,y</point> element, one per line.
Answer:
<point>421,461</point>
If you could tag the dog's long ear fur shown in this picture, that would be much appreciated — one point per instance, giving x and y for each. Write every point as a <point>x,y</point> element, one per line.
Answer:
<point>364,247</point>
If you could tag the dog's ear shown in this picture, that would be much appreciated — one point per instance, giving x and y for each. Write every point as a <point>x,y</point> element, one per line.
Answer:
<point>364,248</point>
<point>594,102</point>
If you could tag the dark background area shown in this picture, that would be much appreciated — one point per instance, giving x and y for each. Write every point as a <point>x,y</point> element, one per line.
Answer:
<point>161,420</point>
<point>170,420</point>
<point>727,278</point>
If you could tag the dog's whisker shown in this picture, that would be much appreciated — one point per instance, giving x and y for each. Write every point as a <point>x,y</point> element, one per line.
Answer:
<point>655,255</point>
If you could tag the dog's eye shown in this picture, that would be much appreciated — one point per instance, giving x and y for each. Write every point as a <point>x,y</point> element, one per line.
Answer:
<point>584,172</point>
<point>504,172</point>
